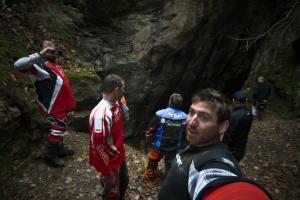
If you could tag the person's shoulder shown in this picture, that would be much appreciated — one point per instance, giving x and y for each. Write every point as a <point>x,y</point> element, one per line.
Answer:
<point>219,150</point>
<point>103,107</point>
<point>237,112</point>
<point>171,113</point>
<point>159,112</point>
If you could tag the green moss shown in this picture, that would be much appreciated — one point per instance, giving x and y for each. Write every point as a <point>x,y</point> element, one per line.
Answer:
<point>83,84</point>
<point>4,46</point>
<point>9,51</point>
<point>81,74</point>
<point>61,20</point>
<point>8,54</point>
<point>17,143</point>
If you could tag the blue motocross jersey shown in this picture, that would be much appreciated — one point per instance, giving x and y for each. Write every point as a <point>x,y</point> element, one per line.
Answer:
<point>168,133</point>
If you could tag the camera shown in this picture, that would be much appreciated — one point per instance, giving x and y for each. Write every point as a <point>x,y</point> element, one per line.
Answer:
<point>57,52</point>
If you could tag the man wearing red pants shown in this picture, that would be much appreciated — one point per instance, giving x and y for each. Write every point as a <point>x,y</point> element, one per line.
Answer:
<point>54,97</point>
<point>107,152</point>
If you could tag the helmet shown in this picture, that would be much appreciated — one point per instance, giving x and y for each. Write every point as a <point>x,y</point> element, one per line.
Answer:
<point>260,79</point>
<point>239,96</point>
<point>236,191</point>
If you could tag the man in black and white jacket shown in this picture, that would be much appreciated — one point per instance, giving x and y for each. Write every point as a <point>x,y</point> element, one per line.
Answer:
<point>206,163</point>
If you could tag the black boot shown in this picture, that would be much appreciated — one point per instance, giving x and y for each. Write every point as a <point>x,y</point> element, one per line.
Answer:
<point>63,151</point>
<point>51,158</point>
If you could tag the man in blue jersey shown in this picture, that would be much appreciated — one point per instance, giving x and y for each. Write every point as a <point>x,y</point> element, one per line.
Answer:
<point>165,131</point>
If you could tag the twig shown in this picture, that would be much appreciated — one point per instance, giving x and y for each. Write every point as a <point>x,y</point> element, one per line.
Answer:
<point>251,40</point>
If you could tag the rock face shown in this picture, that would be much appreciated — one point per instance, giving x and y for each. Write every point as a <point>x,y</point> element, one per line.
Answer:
<point>161,47</point>
<point>85,87</point>
<point>278,60</point>
<point>19,127</point>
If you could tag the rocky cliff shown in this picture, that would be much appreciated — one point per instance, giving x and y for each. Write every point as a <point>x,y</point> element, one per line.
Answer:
<point>161,47</point>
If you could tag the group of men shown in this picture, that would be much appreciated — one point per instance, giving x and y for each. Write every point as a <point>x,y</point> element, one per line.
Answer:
<point>204,169</point>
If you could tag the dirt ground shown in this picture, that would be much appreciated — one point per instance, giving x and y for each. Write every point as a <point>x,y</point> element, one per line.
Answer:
<point>272,159</point>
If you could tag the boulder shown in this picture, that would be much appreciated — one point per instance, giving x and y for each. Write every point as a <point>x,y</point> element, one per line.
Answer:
<point>85,87</point>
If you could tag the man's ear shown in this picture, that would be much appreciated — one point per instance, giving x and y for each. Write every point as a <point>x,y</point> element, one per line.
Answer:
<point>223,127</point>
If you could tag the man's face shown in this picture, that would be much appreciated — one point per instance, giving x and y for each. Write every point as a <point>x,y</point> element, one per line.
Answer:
<point>51,46</point>
<point>48,44</point>
<point>120,91</point>
<point>201,124</point>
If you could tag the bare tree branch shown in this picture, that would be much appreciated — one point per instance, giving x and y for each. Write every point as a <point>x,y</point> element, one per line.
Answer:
<point>251,40</point>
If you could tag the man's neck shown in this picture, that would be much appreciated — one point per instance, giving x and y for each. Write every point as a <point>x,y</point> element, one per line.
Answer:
<point>199,148</point>
<point>216,140</point>
<point>109,97</point>
<point>205,145</point>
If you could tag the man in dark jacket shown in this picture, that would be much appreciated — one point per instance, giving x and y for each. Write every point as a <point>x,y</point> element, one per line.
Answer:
<point>239,126</point>
<point>205,169</point>
<point>260,96</point>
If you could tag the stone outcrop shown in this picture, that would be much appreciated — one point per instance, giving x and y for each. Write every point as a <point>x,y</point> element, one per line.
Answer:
<point>278,60</point>
<point>161,47</point>
<point>85,87</point>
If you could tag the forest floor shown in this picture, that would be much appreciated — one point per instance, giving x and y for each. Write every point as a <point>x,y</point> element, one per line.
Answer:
<point>272,159</point>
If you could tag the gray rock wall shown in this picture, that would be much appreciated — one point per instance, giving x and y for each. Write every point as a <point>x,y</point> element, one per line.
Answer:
<point>278,60</point>
<point>161,47</point>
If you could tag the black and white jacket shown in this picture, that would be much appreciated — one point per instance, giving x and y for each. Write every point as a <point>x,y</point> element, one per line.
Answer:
<point>196,169</point>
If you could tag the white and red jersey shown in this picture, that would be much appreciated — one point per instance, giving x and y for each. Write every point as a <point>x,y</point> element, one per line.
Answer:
<point>106,145</point>
<point>53,91</point>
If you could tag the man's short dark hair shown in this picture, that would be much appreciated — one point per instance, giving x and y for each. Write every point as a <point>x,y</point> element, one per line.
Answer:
<point>215,99</point>
<point>175,100</point>
<point>111,82</point>
<point>46,41</point>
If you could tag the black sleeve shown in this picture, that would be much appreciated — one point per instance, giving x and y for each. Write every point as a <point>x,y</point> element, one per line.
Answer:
<point>241,138</point>
<point>255,93</point>
<point>174,186</point>
<point>230,134</point>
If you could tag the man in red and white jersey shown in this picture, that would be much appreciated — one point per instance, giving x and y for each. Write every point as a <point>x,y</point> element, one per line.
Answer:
<point>53,95</point>
<point>107,152</point>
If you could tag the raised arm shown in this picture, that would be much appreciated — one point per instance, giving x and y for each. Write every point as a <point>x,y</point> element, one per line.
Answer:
<point>26,63</point>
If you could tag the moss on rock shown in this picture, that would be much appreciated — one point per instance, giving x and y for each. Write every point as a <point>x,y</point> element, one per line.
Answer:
<point>85,86</point>
<point>15,109</point>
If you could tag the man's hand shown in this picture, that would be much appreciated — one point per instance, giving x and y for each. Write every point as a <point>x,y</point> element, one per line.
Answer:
<point>46,51</point>
<point>148,137</point>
